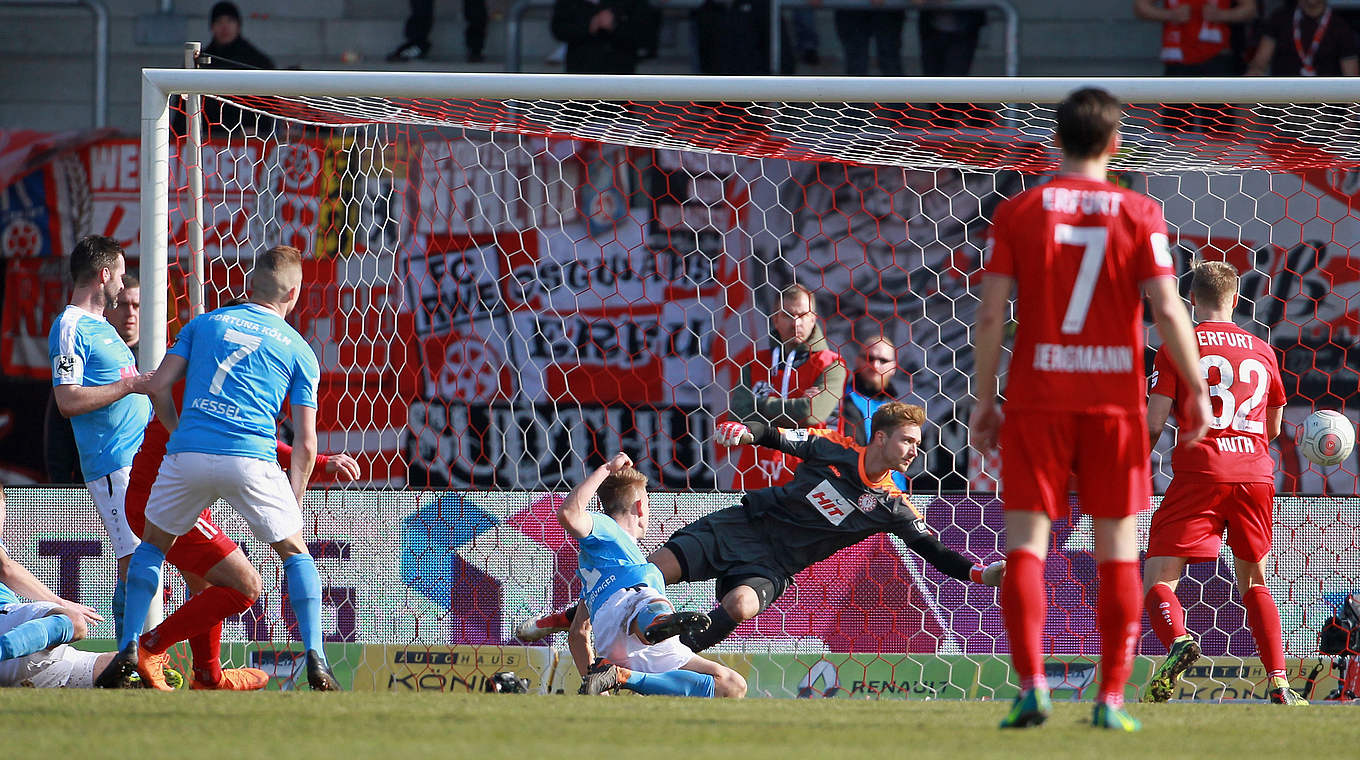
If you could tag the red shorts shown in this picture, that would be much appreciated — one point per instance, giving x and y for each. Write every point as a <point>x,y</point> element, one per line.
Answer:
<point>195,552</point>
<point>1191,519</point>
<point>1107,452</point>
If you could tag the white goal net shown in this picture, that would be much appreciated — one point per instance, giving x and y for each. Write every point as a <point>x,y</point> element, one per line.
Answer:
<point>510,277</point>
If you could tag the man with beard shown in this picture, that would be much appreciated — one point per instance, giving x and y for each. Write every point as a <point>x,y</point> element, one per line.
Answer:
<point>795,383</point>
<point>96,385</point>
<point>869,388</point>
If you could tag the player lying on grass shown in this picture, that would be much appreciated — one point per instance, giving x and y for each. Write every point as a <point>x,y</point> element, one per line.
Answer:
<point>840,494</point>
<point>635,625</point>
<point>220,578</point>
<point>1225,480</point>
<point>34,635</point>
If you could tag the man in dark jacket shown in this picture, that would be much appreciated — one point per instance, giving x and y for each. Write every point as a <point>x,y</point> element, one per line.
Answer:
<point>229,50</point>
<point>602,36</point>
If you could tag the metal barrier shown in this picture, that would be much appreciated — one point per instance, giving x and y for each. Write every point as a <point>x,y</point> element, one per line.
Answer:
<point>515,22</point>
<point>100,11</point>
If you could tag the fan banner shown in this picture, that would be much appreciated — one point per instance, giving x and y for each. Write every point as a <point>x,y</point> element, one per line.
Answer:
<point>503,310</point>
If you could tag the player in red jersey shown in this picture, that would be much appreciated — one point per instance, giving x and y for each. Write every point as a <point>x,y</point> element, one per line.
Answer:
<point>1079,253</point>
<point>1227,480</point>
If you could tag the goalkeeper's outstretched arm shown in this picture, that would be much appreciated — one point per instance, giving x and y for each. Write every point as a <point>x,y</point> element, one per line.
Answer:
<point>951,563</point>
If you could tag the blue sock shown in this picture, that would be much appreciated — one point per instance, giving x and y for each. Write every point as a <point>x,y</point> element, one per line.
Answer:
<point>143,581</point>
<point>36,635</point>
<point>675,683</point>
<point>652,612</point>
<point>119,605</point>
<point>304,596</point>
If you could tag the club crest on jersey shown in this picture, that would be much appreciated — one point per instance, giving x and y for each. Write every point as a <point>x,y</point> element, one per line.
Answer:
<point>65,365</point>
<point>827,500</point>
<point>867,502</point>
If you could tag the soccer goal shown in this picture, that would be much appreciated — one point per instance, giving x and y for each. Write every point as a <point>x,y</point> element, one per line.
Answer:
<point>509,277</point>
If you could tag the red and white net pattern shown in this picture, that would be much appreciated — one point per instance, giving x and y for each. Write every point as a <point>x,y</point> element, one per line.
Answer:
<point>502,293</point>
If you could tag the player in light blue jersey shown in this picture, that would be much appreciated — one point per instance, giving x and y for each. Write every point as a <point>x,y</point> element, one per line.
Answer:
<point>624,595</point>
<point>240,365</point>
<point>34,634</point>
<point>95,383</point>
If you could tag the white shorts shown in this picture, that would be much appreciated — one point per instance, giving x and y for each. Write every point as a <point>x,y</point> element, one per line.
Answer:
<point>613,640</point>
<point>259,491</point>
<point>109,494</point>
<point>54,668</point>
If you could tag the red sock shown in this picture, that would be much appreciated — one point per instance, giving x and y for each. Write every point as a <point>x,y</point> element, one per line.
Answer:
<point>555,620</point>
<point>1264,618</point>
<point>199,614</point>
<point>1023,607</point>
<point>1165,612</point>
<point>207,649</point>
<point>1117,613</point>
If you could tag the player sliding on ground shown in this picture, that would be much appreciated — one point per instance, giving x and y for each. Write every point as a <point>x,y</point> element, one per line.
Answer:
<point>840,494</point>
<point>635,625</point>
<point>34,635</point>
<point>1079,253</point>
<point>1226,480</point>
<point>240,364</point>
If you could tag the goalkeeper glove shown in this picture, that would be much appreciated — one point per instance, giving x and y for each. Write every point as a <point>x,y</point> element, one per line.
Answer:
<point>990,575</point>
<point>731,434</point>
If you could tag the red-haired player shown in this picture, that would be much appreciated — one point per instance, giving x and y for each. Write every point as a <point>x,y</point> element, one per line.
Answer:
<point>1226,480</point>
<point>1079,253</point>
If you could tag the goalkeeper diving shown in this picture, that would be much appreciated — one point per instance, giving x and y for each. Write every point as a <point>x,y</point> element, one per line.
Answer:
<point>841,493</point>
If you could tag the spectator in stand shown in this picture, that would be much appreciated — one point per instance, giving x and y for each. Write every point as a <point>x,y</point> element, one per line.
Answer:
<point>229,50</point>
<point>949,38</point>
<point>805,37</point>
<point>1308,40</point>
<point>602,36</point>
<point>417,33</point>
<point>1197,41</point>
<point>795,383</point>
<point>868,389</point>
<point>59,440</point>
<point>733,37</point>
<point>882,28</point>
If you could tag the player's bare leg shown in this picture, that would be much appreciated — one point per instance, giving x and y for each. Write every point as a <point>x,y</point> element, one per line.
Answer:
<point>727,682</point>
<point>665,561</point>
<point>1161,575</point>
<point>1116,541</point>
<point>1263,617</point>
<point>1023,608</point>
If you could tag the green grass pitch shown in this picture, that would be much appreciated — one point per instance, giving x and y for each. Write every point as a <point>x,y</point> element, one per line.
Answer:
<point>345,726</point>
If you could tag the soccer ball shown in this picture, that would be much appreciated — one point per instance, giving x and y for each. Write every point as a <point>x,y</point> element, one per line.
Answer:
<point>1327,437</point>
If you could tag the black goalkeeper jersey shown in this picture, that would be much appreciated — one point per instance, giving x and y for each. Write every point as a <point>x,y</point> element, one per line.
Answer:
<point>830,503</point>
